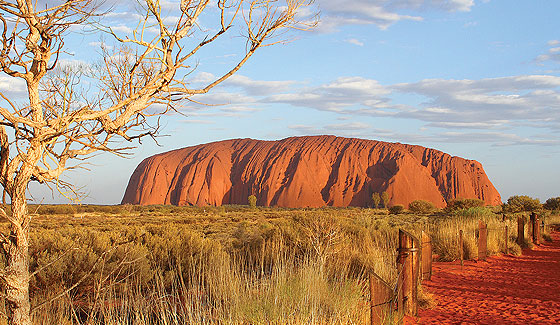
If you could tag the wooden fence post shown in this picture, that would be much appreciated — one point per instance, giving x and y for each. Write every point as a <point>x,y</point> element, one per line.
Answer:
<point>426,256</point>
<point>400,296</point>
<point>532,230</point>
<point>408,249</point>
<point>507,240</point>
<point>461,246</point>
<point>482,240</point>
<point>380,300</point>
<point>536,231</point>
<point>520,231</point>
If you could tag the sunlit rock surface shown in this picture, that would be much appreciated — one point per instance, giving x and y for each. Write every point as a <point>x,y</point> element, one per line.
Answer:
<point>311,171</point>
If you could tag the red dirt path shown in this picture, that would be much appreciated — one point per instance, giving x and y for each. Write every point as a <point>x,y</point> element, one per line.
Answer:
<point>503,290</point>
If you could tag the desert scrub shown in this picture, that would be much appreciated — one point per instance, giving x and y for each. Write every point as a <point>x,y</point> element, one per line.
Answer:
<point>229,264</point>
<point>215,271</point>
<point>421,206</point>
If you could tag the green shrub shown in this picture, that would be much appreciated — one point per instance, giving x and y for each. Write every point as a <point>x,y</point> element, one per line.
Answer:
<point>421,206</point>
<point>458,204</point>
<point>396,209</point>
<point>376,199</point>
<point>520,203</point>
<point>552,204</point>
<point>252,201</point>
<point>385,199</point>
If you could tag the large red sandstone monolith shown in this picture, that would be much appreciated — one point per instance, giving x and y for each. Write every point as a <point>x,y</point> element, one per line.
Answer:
<point>310,171</point>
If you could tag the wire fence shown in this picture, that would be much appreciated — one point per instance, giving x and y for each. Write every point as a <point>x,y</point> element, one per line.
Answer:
<point>390,303</point>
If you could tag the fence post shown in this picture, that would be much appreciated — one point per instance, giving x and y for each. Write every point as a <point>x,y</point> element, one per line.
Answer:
<point>400,296</point>
<point>536,231</point>
<point>409,245</point>
<point>520,231</point>
<point>426,256</point>
<point>482,240</point>
<point>461,246</point>
<point>380,300</point>
<point>530,230</point>
<point>532,219</point>
<point>507,240</point>
<point>372,297</point>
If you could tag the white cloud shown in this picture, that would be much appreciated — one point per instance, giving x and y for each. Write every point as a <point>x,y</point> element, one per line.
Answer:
<point>345,129</point>
<point>522,98</point>
<point>444,5</point>
<point>248,85</point>
<point>121,29</point>
<point>123,16</point>
<point>10,85</point>
<point>338,95</point>
<point>192,121</point>
<point>259,87</point>
<point>553,53</point>
<point>203,78</point>
<point>469,125</point>
<point>218,98</point>
<point>355,42</point>
<point>496,138</point>
<point>382,13</point>
<point>492,103</point>
<point>348,126</point>
<point>358,12</point>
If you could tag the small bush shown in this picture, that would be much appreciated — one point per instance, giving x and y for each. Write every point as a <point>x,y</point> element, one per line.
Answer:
<point>252,201</point>
<point>520,203</point>
<point>375,199</point>
<point>421,206</point>
<point>396,209</point>
<point>552,204</point>
<point>385,199</point>
<point>459,204</point>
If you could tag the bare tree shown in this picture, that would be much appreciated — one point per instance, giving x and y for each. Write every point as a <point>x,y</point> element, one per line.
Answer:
<point>64,120</point>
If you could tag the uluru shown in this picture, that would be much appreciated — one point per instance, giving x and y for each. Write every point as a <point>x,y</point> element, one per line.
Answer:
<point>309,171</point>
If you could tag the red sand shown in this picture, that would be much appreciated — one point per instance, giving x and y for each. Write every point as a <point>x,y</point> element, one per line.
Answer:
<point>503,290</point>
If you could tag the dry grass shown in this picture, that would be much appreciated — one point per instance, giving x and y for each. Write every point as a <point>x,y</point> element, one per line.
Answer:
<point>445,234</point>
<point>229,265</point>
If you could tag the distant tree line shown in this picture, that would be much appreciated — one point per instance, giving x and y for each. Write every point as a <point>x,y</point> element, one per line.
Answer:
<point>514,204</point>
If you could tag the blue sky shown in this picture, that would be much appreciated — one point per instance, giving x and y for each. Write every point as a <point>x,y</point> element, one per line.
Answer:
<point>475,79</point>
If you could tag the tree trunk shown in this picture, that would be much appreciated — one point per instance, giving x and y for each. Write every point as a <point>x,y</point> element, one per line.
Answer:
<point>16,277</point>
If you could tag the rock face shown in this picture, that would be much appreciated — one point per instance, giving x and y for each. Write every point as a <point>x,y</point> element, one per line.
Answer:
<point>311,171</point>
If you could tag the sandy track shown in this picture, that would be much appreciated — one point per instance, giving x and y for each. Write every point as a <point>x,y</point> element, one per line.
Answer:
<point>503,290</point>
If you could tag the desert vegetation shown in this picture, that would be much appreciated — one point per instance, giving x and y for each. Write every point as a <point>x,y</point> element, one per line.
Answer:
<point>230,264</point>
<point>58,123</point>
